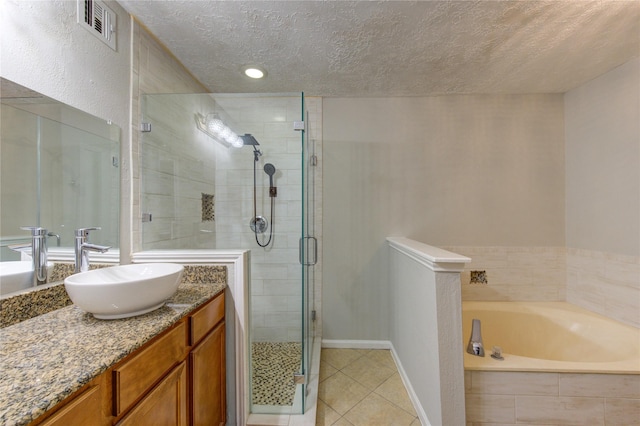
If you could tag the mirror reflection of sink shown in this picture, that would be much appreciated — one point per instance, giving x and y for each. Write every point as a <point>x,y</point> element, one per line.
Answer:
<point>17,275</point>
<point>124,291</point>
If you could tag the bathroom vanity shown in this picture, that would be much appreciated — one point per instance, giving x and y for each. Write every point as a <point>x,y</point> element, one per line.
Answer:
<point>165,367</point>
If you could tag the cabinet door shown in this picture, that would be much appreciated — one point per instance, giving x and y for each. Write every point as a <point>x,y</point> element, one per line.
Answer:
<point>165,405</point>
<point>208,380</point>
<point>82,410</point>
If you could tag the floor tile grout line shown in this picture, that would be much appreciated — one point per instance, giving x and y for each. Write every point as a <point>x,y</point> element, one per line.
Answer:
<point>394,370</point>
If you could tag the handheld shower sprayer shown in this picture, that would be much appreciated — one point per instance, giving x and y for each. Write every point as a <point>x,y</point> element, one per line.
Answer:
<point>270,170</point>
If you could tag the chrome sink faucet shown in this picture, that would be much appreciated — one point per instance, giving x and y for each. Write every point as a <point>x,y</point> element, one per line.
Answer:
<point>38,253</point>
<point>83,247</point>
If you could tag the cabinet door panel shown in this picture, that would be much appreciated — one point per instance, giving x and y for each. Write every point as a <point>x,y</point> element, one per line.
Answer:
<point>208,380</point>
<point>165,405</point>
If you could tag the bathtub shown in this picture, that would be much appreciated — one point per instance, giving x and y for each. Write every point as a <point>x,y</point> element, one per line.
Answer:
<point>550,336</point>
<point>562,365</point>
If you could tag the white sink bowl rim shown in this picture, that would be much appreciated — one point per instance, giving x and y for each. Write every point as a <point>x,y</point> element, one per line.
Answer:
<point>124,291</point>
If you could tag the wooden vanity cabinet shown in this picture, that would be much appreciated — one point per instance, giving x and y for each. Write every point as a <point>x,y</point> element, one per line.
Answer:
<point>166,404</point>
<point>84,409</point>
<point>207,366</point>
<point>134,377</point>
<point>193,393</point>
<point>177,379</point>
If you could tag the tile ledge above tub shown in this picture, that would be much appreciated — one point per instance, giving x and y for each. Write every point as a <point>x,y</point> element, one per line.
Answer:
<point>436,259</point>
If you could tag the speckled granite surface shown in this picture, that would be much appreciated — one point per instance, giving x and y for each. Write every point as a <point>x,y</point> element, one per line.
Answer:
<point>40,300</point>
<point>16,309</point>
<point>46,358</point>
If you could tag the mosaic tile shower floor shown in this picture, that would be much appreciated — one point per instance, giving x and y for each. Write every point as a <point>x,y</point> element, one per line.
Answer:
<point>272,367</point>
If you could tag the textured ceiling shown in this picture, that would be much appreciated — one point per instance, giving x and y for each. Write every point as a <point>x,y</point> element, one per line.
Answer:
<point>396,48</point>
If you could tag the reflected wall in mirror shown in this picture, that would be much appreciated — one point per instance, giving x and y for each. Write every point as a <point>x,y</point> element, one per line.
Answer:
<point>59,170</point>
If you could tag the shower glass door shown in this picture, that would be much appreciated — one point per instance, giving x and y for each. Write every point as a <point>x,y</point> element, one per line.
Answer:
<point>200,191</point>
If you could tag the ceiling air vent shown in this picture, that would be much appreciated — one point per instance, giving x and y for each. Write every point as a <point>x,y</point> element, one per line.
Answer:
<point>99,20</point>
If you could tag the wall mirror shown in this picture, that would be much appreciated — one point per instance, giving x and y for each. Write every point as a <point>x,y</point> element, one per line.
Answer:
<point>59,169</point>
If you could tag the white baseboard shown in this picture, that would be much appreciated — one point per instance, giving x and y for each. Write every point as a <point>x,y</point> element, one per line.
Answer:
<point>422,416</point>
<point>356,344</point>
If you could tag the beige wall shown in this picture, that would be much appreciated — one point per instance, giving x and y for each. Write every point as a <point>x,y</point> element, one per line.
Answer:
<point>603,162</point>
<point>603,194</point>
<point>448,171</point>
<point>43,48</point>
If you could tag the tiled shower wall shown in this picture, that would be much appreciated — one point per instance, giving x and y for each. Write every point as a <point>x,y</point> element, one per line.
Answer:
<point>153,70</point>
<point>178,166</point>
<point>276,274</point>
<point>276,269</point>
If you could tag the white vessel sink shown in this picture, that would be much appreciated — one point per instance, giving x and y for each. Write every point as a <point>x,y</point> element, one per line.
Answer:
<point>124,291</point>
<point>17,275</point>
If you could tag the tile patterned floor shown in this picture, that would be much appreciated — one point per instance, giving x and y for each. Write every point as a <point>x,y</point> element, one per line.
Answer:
<point>362,387</point>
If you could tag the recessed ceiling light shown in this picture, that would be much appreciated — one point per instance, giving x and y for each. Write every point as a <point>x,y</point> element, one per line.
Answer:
<point>254,72</point>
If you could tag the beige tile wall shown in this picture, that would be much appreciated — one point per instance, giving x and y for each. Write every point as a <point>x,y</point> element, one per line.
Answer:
<point>606,283</point>
<point>509,398</point>
<point>514,273</point>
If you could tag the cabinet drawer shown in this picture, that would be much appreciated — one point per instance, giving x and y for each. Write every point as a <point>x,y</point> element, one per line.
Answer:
<point>203,320</point>
<point>136,375</point>
<point>82,410</point>
<point>166,404</point>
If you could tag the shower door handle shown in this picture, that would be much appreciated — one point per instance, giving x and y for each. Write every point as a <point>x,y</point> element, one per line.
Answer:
<point>305,240</point>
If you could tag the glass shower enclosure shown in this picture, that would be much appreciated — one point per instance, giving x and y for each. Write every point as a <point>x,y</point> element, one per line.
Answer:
<point>233,171</point>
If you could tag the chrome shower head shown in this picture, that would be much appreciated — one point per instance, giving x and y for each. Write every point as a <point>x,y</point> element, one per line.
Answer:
<point>248,139</point>
<point>270,169</point>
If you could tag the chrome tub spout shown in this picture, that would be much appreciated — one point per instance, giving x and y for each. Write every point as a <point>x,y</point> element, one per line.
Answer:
<point>475,346</point>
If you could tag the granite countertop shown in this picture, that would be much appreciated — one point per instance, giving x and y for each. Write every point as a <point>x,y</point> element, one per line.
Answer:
<point>46,358</point>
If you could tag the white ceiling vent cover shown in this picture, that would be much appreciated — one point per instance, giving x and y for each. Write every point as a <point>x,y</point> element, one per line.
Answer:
<point>99,20</point>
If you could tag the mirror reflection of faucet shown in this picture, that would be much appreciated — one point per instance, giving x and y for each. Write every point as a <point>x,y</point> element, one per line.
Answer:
<point>83,247</point>
<point>38,248</point>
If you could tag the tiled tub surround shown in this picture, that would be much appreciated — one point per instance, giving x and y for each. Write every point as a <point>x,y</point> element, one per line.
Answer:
<point>549,391</point>
<point>606,283</point>
<point>602,282</point>
<point>46,358</point>
<point>514,273</point>
<point>509,398</point>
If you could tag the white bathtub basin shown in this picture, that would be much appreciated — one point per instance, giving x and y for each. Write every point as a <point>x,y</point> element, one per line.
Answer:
<point>16,275</point>
<point>124,291</point>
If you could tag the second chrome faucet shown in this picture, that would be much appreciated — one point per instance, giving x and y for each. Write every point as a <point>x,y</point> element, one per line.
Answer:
<point>83,247</point>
